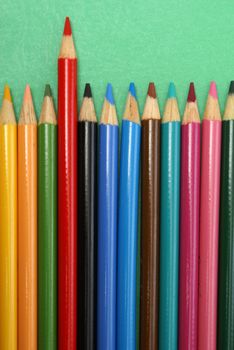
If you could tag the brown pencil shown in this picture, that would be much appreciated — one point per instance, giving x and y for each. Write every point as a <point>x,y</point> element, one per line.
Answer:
<point>150,173</point>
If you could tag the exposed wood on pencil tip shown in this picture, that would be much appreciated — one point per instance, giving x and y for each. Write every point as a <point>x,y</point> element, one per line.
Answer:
<point>47,115</point>
<point>67,27</point>
<point>87,90</point>
<point>152,90</point>
<point>7,114</point>
<point>191,94</point>
<point>27,114</point>
<point>191,113</point>
<point>151,109</point>
<point>229,108</point>
<point>212,110</point>
<point>171,111</point>
<point>131,110</point>
<point>109,115</point>
<point>87,110</point>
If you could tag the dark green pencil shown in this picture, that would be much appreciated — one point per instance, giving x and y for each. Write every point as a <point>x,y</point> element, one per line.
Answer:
<point>226,244</point>
<point>47,225</point>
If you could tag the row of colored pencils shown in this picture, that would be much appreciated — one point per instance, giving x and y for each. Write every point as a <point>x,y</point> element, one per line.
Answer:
<point>28,235</point>
<point>87,295</point>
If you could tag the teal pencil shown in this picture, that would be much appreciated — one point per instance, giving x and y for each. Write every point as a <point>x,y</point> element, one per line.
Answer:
<point>169,223</point>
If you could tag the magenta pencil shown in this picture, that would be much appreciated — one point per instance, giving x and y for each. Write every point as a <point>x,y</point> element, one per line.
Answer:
<point>189,224</point>
<point>209,222</point>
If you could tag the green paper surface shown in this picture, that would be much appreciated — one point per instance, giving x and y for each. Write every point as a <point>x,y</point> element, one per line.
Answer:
<point>119,41</point>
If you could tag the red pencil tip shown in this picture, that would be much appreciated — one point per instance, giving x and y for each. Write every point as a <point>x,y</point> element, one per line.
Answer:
<point>67,27</point>
<point>191,93</point>
<point>151,90</point>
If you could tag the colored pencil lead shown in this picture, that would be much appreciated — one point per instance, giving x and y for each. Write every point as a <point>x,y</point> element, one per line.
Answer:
<point>87,91</point>
<point>131,110</point>
<point>7,93</point>
<point>67,27</point>
<point>109,94</point>
<point>132,90</point>
<point>231,87</point>
<point>191,93</point>
<point>213,90</point>
<point>171,90</point>
<point>152,91</point>
<point>47,91</point>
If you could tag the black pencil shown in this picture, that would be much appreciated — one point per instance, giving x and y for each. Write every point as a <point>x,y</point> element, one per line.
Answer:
<point>87,221</point>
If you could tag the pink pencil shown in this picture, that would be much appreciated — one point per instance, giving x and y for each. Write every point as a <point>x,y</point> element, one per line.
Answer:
<point>209,222</point>
<point>189,224</point>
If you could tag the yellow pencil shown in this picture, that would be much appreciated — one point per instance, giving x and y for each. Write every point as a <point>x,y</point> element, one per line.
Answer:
<point>8,224</point>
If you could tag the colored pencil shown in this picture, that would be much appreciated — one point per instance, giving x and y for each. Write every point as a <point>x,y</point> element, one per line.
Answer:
<point>87,222</point>
<point>169,223</point>
<point>8,224</point>
<point>128,224</point>
<point>27,225</point>
<point>226,238</point>
<point>209,222</point>
<point>47,225</point>
<point>67,192</point>
<point>189,223</point>
<point>150,190</point>
<point>107,223</point>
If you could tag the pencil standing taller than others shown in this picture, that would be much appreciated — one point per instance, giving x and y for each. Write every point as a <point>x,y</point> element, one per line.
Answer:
<point>67,192</point>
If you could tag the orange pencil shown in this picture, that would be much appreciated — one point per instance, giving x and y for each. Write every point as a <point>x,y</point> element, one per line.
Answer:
<point>27,225</point>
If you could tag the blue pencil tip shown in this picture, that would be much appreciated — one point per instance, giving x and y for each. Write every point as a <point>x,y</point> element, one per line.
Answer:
<point>171,90</point>
<point>109,94</point>
<point>132,90</point>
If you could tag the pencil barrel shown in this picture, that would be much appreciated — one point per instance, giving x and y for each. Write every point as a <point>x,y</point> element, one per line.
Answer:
<point>128,235</point>
<point>47,237</point>
<point>226,241</point>
<point>107,236</point>
<point>169,235</point>
<point>87,238</point>
<point>8,237</point>
<point>150,199</point>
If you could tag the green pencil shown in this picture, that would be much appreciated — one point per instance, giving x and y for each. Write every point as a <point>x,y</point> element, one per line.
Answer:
<point>47,225</point>
<point>226,243</point>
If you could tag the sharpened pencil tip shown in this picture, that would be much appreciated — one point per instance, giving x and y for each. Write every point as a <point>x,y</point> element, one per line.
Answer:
<point>231,88</point>
<point>191,93</point>
<point>152,90</point>
<point>109,94</point>
<point>27,93</point>
<point>171,90</point>
<point>47,91</point>
<point>7,93</point>
<point>67,27</point>
<point>132,90</point>
<point>87,91</point>
<point>213,90</point>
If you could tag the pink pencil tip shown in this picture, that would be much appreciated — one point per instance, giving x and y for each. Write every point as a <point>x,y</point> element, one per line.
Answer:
<point>213,90</point>
<point>67,27</point>
<point>27,93</point>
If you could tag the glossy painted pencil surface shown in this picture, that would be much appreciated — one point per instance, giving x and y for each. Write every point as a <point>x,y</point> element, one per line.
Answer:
<point>150,199</point>
<point>226,239</point>
<point>8,224</point>
<point>169,223</point>
<point>87,222</point>
<point>107,223</point>
<point>209,222</point>
<point>189,224</point>
<point>67,192</point>
<point>27,225</point>
<point>128,224</point>
<point>47,225</point>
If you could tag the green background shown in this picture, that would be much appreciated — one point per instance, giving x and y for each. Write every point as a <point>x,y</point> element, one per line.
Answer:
<point>119,41</point>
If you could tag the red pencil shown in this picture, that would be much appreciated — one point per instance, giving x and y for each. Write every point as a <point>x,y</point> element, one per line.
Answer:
<point>67,192</point>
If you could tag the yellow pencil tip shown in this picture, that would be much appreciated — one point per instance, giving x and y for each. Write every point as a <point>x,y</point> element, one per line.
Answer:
<point>7,93</point>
